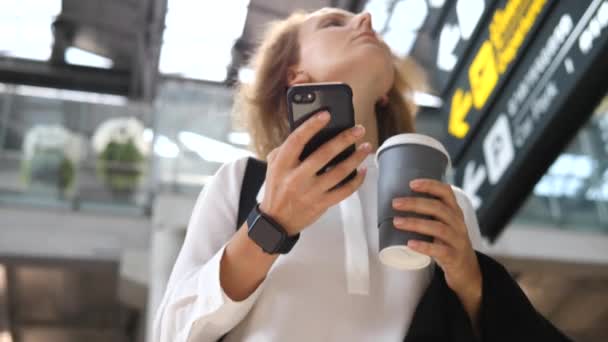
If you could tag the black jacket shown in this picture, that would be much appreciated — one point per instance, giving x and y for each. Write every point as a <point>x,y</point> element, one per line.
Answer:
<point>506,313</point>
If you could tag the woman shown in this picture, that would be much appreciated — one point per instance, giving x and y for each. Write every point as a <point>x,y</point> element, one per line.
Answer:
<point>223,284</point>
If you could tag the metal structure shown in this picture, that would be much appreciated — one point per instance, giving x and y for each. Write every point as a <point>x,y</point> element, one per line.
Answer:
<point>127,32</point>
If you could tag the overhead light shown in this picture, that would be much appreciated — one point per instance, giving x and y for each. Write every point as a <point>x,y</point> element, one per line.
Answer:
<point>448,39</point>
<point>246,75</point>
<point>400,42</point>
<point>426,100</point>
<point>239,138</point>
<point>165,147</point>
<point>67,95</point>
<point>469,14</point>
<point>191,179</point>
<point>210,149</point>
<point>379,12</point>
<point>78,56</point>
<point>402,29</point>
<point>408,16</point>
<point>436,3</point>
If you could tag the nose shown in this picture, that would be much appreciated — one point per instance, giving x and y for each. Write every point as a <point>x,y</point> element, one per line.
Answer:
<point>363,20</point>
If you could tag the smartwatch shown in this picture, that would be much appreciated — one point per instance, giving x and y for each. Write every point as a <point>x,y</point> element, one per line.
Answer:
<point>268,234</point>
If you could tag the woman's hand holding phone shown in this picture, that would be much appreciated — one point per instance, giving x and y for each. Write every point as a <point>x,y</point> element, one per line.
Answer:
<point>295,196</point>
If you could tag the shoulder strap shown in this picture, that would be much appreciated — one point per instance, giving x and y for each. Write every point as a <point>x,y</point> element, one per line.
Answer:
<point>255,173</point>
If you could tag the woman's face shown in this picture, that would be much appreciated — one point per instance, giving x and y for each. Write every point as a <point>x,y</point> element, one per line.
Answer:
<point>336,45</point>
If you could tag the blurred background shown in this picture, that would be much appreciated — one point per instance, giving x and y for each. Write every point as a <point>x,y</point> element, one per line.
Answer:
<point>115,113</point>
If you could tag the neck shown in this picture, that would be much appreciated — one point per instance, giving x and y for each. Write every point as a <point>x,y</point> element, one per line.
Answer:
<point>365,114</point>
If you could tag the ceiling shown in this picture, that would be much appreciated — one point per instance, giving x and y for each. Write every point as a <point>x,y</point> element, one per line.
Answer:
<point>128,32</point>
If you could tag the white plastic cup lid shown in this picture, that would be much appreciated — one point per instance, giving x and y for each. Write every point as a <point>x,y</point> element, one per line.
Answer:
<point>414,138</point>
<point>403,258</point>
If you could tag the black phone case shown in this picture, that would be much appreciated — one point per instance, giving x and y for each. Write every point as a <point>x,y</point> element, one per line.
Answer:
<point>333,97</point>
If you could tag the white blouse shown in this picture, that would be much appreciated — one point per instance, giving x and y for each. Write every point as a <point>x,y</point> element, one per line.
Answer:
<point>330,287</point>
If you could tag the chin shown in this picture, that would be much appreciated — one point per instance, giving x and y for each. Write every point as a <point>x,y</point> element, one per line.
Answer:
<point>380,67</point>
<point>368,65</point>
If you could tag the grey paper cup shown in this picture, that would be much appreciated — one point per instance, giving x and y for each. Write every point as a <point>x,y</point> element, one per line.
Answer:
<point>401,159</point>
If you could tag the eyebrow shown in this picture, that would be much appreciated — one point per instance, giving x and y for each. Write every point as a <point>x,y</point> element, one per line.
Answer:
<point>330,15</point>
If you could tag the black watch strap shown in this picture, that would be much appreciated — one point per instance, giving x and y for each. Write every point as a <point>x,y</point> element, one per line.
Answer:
<point>268,233</point>
<point>288,243</point>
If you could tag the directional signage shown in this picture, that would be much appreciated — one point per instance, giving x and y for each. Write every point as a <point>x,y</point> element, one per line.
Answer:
<point>552,91</point>
<point>463,21</point>
<point>509,29</point>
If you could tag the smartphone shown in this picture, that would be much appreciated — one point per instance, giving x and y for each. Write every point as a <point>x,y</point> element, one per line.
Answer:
<point>306,100</point>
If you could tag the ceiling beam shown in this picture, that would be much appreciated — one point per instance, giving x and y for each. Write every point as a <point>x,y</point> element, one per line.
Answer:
<point>42,74</point>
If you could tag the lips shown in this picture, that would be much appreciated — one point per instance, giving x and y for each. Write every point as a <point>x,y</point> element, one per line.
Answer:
<point>366,35</point>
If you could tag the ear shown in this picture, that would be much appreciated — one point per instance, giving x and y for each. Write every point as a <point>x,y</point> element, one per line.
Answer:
<point>383,101</point>
<point>295,76</point>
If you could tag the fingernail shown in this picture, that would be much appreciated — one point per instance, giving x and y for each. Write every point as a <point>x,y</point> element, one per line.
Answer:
<point>415,183</point>
<point>365,146</point>
<point>363,169</point>
<point>398,202</point>
<point>323,116</point>
<point>358,131</point>
<point>413,243</point>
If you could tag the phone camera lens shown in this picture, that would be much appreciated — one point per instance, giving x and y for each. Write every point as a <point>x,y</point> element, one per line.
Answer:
<point>297,98</point>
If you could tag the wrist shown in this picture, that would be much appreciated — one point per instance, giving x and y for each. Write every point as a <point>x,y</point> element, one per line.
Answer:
<point>270,235</point>
<point>267,211</point>
<point>470,290</point>
<point>470,295</point>
<point>249,251</point>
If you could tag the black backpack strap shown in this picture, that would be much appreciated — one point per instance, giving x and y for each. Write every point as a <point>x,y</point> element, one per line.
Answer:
<point>255,173</point>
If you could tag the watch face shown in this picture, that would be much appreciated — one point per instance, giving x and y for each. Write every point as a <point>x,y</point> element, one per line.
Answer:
<point>265,235</point>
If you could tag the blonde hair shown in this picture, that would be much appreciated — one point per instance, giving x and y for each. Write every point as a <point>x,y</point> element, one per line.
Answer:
<point>261,108</point>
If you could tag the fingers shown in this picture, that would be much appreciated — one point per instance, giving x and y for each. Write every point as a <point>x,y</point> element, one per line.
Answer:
<point>432,228</point>
<point>334,176</point>
<point>426,206</point>
<point>334,197</point>
<point>295,142</point>
<point>441,252</point>
<point>326,152</point>
<point>437,189</point>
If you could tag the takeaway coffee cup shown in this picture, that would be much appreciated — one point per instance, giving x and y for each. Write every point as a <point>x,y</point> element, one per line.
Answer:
<point>401,159</point>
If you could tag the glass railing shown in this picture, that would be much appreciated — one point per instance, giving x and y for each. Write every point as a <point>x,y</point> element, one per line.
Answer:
<point>188,130</point>
<point>88,189</point>
<point>573,194</point>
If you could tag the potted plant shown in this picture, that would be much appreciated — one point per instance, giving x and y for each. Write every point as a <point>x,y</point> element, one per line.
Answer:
<point>50,157</point>
<point>121,154</point>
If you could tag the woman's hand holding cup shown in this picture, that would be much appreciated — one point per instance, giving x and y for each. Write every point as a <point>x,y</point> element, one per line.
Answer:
<point>295,196</point>
<point>451,247</point>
